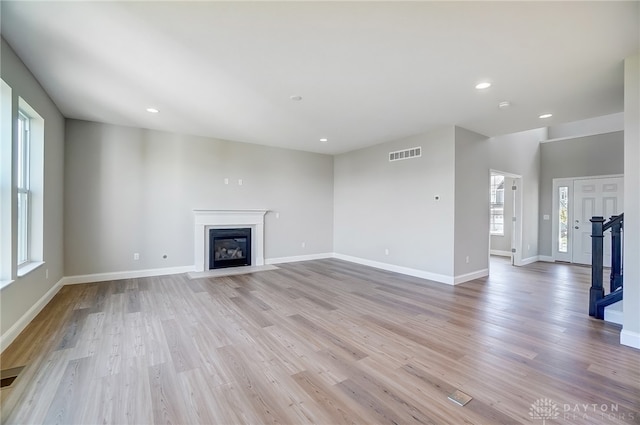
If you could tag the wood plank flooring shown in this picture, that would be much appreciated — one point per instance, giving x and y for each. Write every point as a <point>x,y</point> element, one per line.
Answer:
<point>324,342</point>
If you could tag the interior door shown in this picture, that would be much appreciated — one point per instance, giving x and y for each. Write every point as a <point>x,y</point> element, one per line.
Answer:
<point>594,197</point>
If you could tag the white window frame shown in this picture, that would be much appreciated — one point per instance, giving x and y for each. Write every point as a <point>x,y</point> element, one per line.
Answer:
<point>33,175</point>
<point>555,223</point>
<point>491,204</point>
<point>23,165</point>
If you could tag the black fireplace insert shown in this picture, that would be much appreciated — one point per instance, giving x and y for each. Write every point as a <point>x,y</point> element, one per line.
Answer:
<point>229,248</point>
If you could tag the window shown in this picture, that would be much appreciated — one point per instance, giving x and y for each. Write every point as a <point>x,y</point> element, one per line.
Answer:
<point>24,193</point>
<point>563,218</point>
<point>29,175</point>
<point>496,205</point>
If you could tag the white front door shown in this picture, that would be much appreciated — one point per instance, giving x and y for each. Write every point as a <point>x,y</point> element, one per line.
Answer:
<point>594,197</point>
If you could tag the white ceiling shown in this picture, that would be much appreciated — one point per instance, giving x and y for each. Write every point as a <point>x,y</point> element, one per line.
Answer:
<point>368,72</point>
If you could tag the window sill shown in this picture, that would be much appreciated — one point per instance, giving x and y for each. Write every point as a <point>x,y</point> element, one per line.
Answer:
<point>5,283</point>
<point>496,234</point>
<point>27,268</point>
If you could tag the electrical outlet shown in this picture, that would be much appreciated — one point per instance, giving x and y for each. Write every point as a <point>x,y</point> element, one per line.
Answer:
<point>136,256</point>
<point>277,215</point>
<point>226,180</point>
<point>386,251</point>
<point>467,259</point>
<point>303,244</point>
<point>46,274</point>
<point>239,182</point>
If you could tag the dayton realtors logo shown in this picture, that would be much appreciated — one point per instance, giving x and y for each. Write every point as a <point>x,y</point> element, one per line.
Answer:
<point>545,409</point>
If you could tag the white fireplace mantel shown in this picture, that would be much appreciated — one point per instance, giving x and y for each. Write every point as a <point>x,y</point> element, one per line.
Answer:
<point>208,219</point>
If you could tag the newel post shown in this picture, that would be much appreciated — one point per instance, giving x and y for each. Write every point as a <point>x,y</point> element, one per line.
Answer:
<point>616,254</point>
<point>597,241</point>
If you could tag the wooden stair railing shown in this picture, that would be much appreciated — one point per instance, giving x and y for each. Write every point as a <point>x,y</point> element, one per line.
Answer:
<point>597,300</point>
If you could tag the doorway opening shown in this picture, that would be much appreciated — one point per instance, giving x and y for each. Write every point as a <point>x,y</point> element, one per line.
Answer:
<point>505,224</point>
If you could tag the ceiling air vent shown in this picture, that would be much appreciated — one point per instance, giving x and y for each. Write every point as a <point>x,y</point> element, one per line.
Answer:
<point>405,154</point>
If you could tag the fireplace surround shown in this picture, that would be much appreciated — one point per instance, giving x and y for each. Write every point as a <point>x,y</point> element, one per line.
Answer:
<point>205,220</point>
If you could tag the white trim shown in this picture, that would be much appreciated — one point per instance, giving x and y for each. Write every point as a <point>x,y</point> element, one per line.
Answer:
<point>529,260</point>
<point>630,339</point>
<point>28,267</point>
<point>603,176</point>
<point>385,266</point>
<point>500,253</point>
<point>555,223</point>
<point>518,208</point>
<point>208,219</point>
<point>132,274</point>
<point>470,276</point>
<point>568,182</point>
<point>5,283</point>
<point>449,280</point>
<point>546,258</point>
<point>613,313</point>
<point>12,333</point>
<point>293,259</point>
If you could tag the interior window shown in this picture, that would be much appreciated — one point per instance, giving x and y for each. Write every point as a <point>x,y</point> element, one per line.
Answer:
<point>496,215</point>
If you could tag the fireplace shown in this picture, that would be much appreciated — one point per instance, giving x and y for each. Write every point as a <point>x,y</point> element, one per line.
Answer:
<point>205,220</point>
<point>229,248</point>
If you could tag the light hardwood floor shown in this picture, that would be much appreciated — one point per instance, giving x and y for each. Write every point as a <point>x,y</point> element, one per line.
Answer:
<point>324,342</point>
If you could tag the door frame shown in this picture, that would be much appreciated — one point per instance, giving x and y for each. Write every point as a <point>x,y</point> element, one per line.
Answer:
<point>555,223</point>
<point>516,235</point>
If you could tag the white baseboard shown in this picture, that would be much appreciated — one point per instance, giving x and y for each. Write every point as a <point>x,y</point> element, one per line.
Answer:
<point>12,333</point>
<point>529,260</point>
<point>613,313</point>
<point>293,259</point>
<point>630,339</point>
<point>500,253</point>
<point>102,277</point>
<point>449,280</point>
<point>546,258</point>
<point>470,276</point>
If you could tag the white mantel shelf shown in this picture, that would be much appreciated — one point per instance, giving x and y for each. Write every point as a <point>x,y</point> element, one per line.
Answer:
<point>208,219</point>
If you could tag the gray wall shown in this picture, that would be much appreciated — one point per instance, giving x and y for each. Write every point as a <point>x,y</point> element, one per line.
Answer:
<point>519,153</point>
<point>391,205</point>
<point>598,155</point>
<point>597,125</point>
<point>134,190</point>
<point>471,202</point>
<point>17,298</point>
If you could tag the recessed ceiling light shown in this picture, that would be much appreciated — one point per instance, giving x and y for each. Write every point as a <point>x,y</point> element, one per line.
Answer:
<point>543,116</point>
<point>483,85</point>
<point>323,140</point>
<point>296,98</point>
<point>153,110</point>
